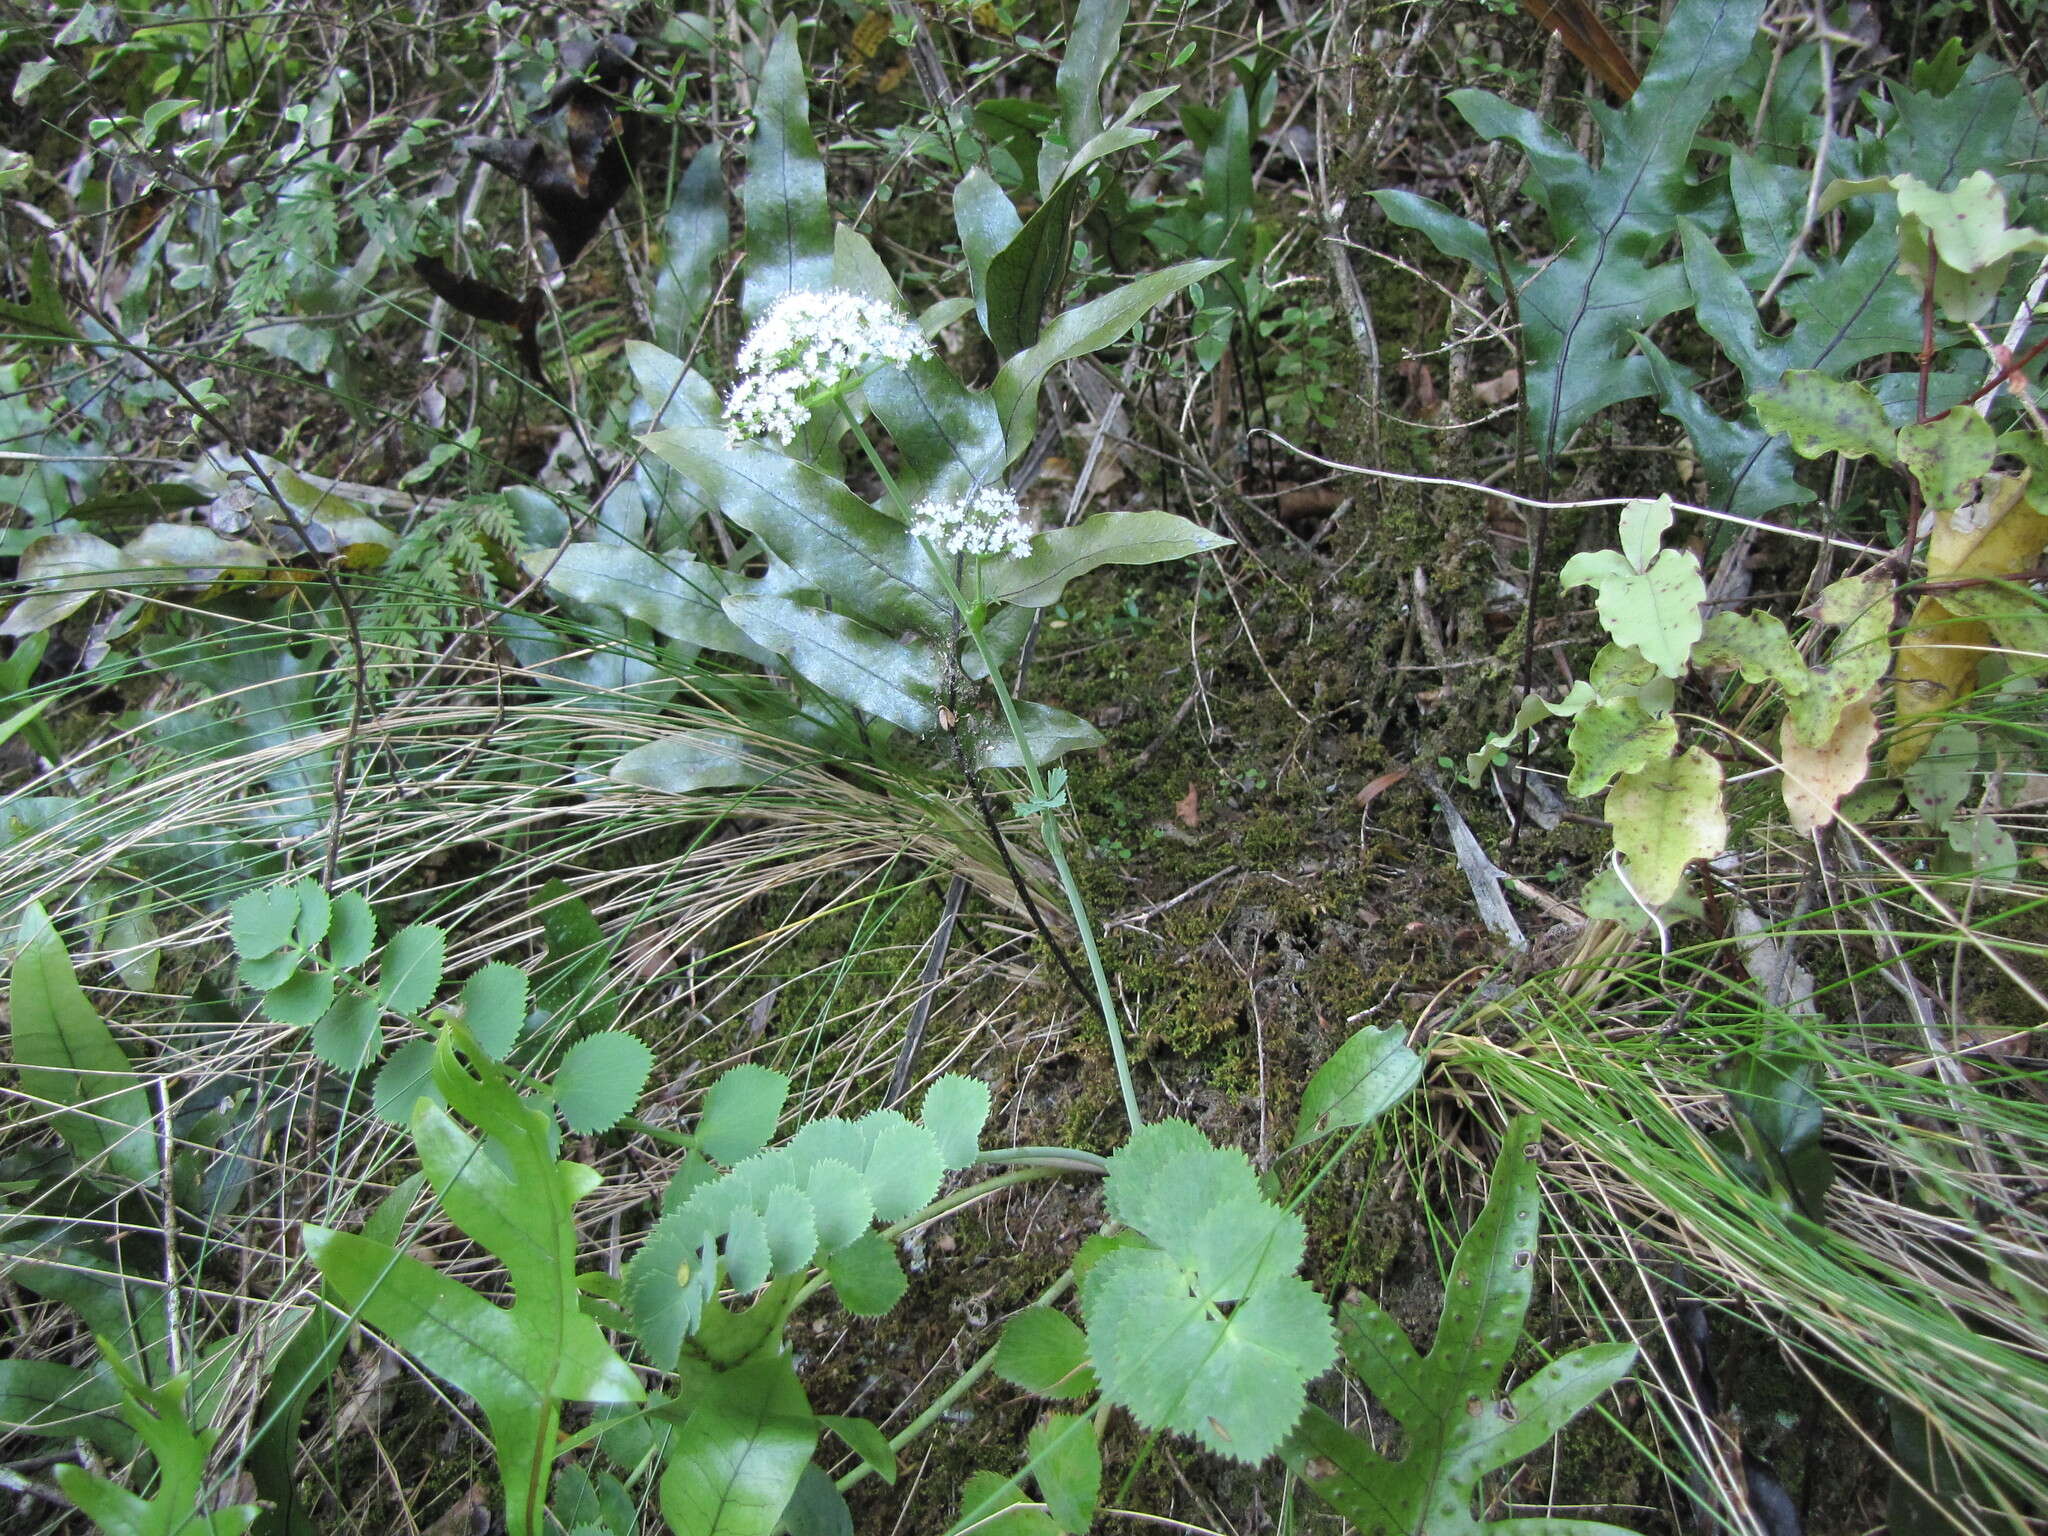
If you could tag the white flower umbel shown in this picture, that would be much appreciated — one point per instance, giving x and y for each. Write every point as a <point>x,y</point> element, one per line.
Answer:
<point>808,345</point>
<point>990,522</point>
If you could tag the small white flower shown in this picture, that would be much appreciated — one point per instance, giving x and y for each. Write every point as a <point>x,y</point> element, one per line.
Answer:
<point>807,345</point>
<point>990,522</point>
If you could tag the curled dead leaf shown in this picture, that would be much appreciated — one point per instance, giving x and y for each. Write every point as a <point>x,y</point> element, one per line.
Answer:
<point>1817,778</point>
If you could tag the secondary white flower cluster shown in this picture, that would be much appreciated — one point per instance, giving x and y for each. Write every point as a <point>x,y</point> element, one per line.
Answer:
<point>806,345</point>
<point>990,522</point>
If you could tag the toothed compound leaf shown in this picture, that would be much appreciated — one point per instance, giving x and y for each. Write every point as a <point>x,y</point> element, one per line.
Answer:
<point>1207,1330</point>
<point>1066,1464</point>
<point>406,1077</point>
<point>515,1199</point>
<point>261,922</point>
<point>1458,1427</point>
<point>904,1164</point>
<point>351,931</point>
<point>1042,1351</point>
<point>867,1275</point>
<point>412,967</point>
<point>955,1109</point>
<point>777,1212</point>
<point>494,1007</point>
<point>302,998</point>
<point>600,1081</point>
<point>740,1112</point>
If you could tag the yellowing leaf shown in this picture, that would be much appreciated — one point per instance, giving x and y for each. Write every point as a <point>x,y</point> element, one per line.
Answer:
<point>1937,665</point>
<point>1862,652</point>
<point>1994,533</point>
<point>1816,778</point>
<point>1664,816</point>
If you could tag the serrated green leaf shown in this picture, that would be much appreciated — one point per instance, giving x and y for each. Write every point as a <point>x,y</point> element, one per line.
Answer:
<point>955,1109</point>
<point>406,1078</point>
<point>1235,1383</point>
<point>315,913</point>
<point>600,1080</point>
<point>904,1164</point>
<point>791,1229</point>
<point>788,220</point>
<point>519,1362</point>
<point>261,922</point>
<point>1066,1464</point>
<point>839,1200</point>
<point>303,998</point>
<point>1364,1078</point>
<point>65,1056</point>
<point>740,1113</point>
<point>865,1441</point>
<point>1458,1428</point>
<point>747,1260</point>
<point>894,680</point>
<point>1823,415</point>
<point>351,931</point>
<point>867,1276</point>
<point>494,1007</point>
<point>690,761</point>
<point>1059,555</point>
<point>1649,598</point>
<point>1664,816</point>
<point>267,971</point>
<point>411,972</point>
<point>349,1035</point>
<point>1042,1351</point>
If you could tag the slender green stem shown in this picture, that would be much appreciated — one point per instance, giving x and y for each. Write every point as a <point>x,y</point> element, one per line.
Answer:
<point>1048,819</point>
<point>957,1390</point>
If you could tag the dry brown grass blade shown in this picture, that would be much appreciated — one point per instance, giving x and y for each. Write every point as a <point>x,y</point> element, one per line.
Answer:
<point>1586,36</point>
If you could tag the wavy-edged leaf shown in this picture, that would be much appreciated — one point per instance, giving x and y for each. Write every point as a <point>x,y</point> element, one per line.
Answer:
<point>675,594</point>
<point>411,971</point>
<point>954,1110</point>
<point>894,680</point>
<point>1458,1428</point>
<point>1050,734</point>
<point>519,1362</point>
